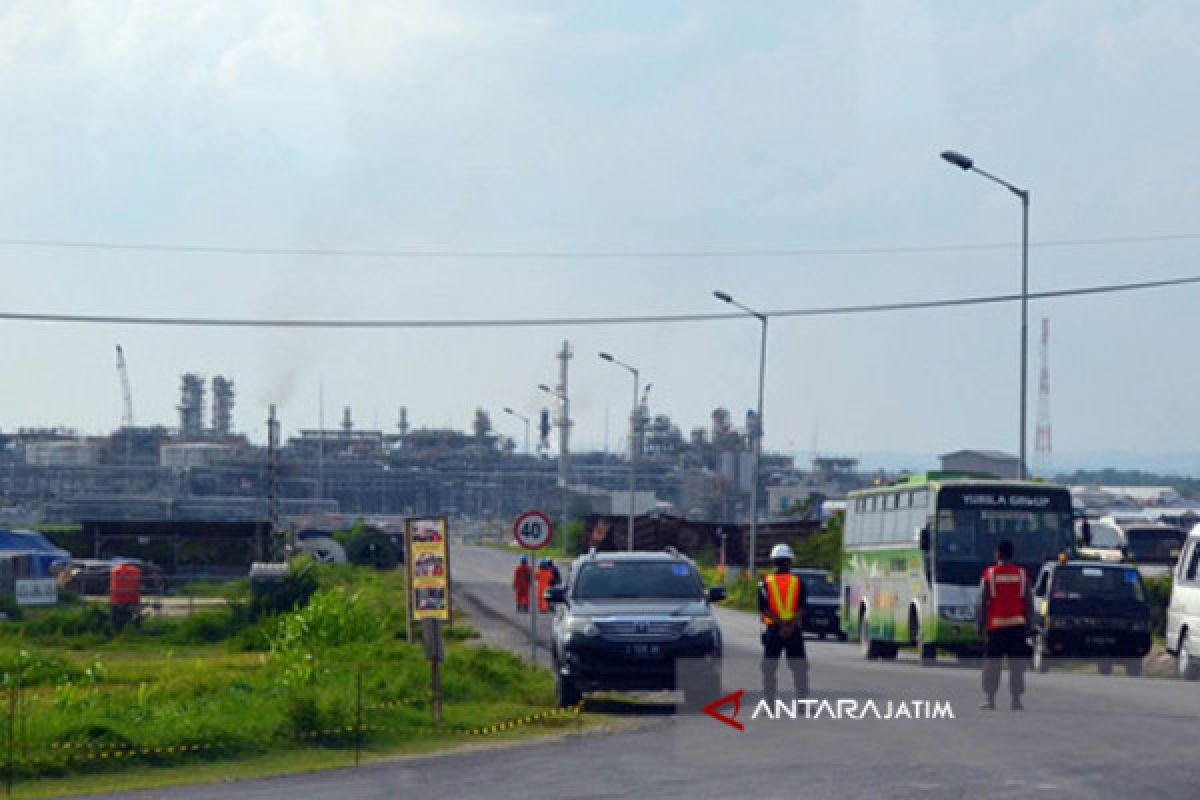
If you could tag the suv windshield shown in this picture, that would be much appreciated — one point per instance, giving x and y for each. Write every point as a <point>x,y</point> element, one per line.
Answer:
<point>819,584</point>
<point>1155,545</point>
<point>1092,583</point>
<point>612,579</point>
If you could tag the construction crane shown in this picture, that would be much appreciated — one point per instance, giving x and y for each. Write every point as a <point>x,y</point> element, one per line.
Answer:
<point>126,392</point>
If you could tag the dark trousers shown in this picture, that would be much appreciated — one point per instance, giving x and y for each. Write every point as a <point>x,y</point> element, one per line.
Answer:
<point>999,643</point>
<point>776,645</point>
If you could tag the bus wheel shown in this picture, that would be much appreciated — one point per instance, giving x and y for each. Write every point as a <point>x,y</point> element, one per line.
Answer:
<point>927,653</point>
<point>888,651</point>
<point>869,647</point>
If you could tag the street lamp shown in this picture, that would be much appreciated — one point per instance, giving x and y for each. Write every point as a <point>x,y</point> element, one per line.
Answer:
<point>968,165</point>
<point>634,416</point>
<point>524,481</point>
<point>758,424</point>
<point>524,419</point>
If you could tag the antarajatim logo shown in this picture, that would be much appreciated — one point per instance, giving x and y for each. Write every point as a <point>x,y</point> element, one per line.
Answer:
<point>735,700</point>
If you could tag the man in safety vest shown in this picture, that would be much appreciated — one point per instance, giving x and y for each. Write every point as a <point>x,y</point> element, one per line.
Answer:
<point>781,602</point>
<point>522,578</point>
<point>1003,614</point>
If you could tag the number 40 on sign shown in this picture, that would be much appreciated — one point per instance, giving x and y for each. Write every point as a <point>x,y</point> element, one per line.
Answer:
<point>533,530</point>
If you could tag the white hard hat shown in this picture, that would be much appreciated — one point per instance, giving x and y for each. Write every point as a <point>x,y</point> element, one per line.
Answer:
<point>781,551</point>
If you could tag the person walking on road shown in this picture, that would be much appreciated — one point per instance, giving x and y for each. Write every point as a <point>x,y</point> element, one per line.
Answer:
<point>522,579</point>
<point>1003,613</point>
<point>545,579</point>
<point>781,602</point>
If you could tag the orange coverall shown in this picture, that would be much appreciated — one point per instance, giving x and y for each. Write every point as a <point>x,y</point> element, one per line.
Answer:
<point>520,585</point>
<point>545,576</point>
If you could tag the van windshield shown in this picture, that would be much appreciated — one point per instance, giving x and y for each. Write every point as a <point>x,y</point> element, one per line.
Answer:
<point>1096,583</point>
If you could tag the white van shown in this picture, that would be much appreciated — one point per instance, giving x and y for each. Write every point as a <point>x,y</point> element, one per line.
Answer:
<point>1183,612</point>
<point>1152,547</point>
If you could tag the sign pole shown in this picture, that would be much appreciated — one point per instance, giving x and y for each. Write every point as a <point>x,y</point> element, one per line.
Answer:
<point>533,531</point>
<point>408,568</point>
<point>533,612</point>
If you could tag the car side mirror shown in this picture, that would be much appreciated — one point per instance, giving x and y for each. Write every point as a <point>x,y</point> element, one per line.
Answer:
<point>555,595</point>
<point>923,538</point>
<point>716,594</point>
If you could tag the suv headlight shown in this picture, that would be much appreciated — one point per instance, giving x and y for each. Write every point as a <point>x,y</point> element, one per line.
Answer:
<point>698,625</point>
<point>582,626</point>
<point>957,613</point>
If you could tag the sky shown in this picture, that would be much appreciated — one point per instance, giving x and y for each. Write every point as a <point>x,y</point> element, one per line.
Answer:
<point>554,127</point>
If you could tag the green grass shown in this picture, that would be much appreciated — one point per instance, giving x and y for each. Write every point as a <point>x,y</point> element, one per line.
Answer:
<point>743,594</point>
<point>248,691</point>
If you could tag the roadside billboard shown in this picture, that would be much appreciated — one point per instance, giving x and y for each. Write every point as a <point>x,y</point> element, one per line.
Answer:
<point>428,565</point>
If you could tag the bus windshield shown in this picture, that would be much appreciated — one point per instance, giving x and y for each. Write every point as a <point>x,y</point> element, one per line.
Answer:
<point>965,540</point>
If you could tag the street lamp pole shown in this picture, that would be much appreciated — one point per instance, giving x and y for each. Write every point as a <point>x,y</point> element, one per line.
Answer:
<point>966,164</point>
<point>524,482</point>
<point>758,426</point>
<point>634,419</point>
<point>524,419</point>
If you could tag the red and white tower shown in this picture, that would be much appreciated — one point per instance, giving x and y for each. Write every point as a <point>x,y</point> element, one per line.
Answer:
<point>1043,441</point>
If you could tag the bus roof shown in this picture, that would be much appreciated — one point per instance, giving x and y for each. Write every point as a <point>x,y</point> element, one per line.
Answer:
<point>936,480</point>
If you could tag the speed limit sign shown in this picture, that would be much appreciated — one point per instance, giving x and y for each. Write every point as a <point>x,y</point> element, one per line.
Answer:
<point>533,530</point>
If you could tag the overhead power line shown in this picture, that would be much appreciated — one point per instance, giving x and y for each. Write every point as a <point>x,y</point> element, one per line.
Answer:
<point>384,253</point>
<point>218,322</point>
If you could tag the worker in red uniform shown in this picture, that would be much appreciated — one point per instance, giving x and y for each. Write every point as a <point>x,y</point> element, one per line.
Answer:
<point>1003,612</point>
<point>522,578</point>
<point>781,602</point>
<point>544,577</point>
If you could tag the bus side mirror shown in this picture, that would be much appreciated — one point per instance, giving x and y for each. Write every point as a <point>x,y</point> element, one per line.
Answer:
<point>1085,533</point>
<point>923,537</point>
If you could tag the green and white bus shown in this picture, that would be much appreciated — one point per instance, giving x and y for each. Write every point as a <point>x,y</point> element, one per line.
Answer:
<point>913,554</point>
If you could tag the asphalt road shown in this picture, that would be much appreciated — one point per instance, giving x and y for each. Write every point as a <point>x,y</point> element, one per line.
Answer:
<point>1082,736</point>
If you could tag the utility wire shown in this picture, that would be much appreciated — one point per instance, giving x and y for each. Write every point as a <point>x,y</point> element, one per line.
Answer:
<point>216,322</point>
<point>213,249</point>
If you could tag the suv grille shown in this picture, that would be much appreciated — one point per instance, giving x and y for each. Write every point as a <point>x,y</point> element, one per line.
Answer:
<point>640,629</point>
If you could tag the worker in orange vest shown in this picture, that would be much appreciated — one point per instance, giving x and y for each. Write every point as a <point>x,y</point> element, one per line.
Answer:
<point>522,578</point>
<point>1003,612</point>
<point>545,579</point>
<point>781,602</point>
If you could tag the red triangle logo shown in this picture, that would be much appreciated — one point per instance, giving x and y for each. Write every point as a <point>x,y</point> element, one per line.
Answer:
<point>735,700</point>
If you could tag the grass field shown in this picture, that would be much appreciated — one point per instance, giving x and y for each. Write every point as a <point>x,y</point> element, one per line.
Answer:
<point>268,692</point>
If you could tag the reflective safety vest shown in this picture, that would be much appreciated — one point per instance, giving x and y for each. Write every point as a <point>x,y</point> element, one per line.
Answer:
<point>1005,585</point>
<point>783,596</point>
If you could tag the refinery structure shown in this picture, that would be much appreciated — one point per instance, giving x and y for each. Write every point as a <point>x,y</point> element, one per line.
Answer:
<point>205,469</point>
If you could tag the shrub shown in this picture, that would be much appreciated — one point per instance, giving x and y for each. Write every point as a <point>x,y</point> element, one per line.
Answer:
<point>331,619</point>
<point>26,668</point>
<point>88,619</point>
<point>1158,593</point>
<point>288,594</point>
<point>371,548</point>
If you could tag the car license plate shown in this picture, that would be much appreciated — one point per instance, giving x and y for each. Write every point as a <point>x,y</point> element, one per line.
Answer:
<point>1100,641</point>
<point>643,650</point>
